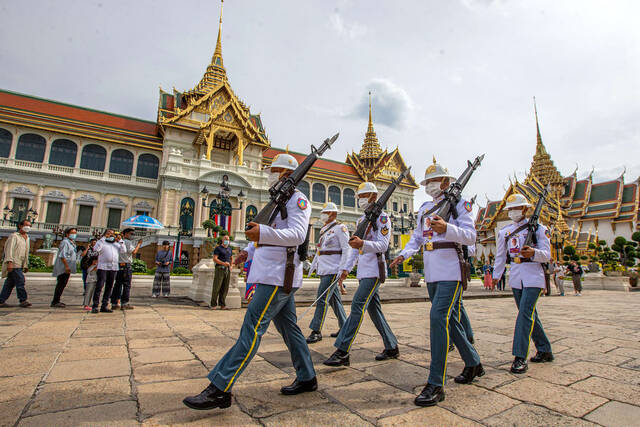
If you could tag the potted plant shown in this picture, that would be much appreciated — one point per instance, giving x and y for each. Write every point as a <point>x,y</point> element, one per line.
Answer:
<point>417,264</point>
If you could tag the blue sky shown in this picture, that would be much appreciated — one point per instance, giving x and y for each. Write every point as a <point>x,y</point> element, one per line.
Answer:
<point>450,78</point>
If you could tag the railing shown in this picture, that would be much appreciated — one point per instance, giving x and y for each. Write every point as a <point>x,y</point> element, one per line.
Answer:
<point>28,164</point>
<point>119,176</point>
<point>63,169</point>
<point>91,173</point>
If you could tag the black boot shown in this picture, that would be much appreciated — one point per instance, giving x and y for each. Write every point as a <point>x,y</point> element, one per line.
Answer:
<point>335,334</point>
<point>519,366</point>
<point>209,398</point>
<point>338,358</point>
<point>472,341</point>
<point>469,373</point>
<point>430,396</point>
<point>542,357</point>
<point>314,337</point>
<point>388,354</point>
<point>300,387</point>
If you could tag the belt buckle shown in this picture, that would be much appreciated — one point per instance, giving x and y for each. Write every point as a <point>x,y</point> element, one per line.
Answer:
<point>428,246</point>
<point>517,260</point>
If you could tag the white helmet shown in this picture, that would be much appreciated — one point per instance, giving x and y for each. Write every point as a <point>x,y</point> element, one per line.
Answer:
<point>329,207</point>
<point>284,161</point>
<point>436,171</point>
<point>516,201</point>
<point>367,187</point>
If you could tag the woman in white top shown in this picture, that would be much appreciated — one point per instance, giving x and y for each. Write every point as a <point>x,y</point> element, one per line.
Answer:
<point>64,265</point>
<point>108,248</point>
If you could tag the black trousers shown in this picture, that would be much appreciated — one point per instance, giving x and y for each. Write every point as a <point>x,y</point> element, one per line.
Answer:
<point>61,283</point>
<point>105,279</point>
<point>122,285</point>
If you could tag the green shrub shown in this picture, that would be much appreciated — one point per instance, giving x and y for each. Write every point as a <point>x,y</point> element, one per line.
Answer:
<point>181,271</point>
<point>36,263</point>
<point>138,266</point>
<point>636,236</point>
<point>592,245</point>
<point>569,250</point>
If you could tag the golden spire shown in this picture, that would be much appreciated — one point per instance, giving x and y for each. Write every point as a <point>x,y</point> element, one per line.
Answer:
<point>371,148</point>
<point>539,145</point>
<point>542,166</point>
<point>217,54</point>
<point>215,73</point>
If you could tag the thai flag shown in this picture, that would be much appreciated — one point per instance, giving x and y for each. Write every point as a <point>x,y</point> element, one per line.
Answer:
<point>224,222</point>
<point>177,250</point>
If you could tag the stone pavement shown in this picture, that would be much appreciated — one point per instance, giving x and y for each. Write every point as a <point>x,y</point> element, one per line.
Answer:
<point>65,367</point>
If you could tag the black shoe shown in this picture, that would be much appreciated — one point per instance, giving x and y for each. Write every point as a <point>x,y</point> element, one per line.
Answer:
<point>472,341</point>
<point>542,357</point>
<point>338,358</point>
<point>519,366</point>
<point>94,310</point>
<point>451,348</point>
<point>106,310</point>
<point>58,305</point>
<point>430,396</point>
<point>314,337</point>
<point>388,354</point>
<point>469,373</point>
<point>335,334</point>
<point>25,304</point>
<point>209,398</point>
<point>300,387</point>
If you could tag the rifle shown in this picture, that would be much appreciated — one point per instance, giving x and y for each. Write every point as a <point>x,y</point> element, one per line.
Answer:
<point>452,195</point>
<point>281,191</point>
<point>532,226</point>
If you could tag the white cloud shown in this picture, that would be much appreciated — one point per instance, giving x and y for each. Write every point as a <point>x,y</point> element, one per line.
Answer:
<point>351,31</point>
<point>391,104</point>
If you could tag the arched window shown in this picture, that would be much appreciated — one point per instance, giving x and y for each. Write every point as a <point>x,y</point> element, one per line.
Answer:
<point>63,153</point>
<point>304,187</point>
<point>93,157</point>
<point>147,166</point>
<point>334,195</point>
<point>186,213</point>
<point>251,212</point>
<point>31,148</point>
<point>121,162</point>
<point>319,193</point>
<point>5,142</point>
<point>349,198</point>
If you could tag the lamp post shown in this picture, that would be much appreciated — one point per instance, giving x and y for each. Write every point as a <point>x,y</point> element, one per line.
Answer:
<point>10,215</point>
<point>410,222</point>
<point>221,205</point>
<point>557,239</point>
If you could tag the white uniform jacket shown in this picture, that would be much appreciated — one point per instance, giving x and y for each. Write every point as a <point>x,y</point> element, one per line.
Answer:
<point>374,242</point>
<point>442,264</point>
<point>526,274</point>
<point>269,261</point>
<point>336,239</point>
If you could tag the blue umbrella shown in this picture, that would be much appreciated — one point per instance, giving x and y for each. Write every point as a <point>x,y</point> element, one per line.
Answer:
<point>143,221</point>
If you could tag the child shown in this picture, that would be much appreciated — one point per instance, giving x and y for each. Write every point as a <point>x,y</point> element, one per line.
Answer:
<point>161,281</point>
<point>92,279</point>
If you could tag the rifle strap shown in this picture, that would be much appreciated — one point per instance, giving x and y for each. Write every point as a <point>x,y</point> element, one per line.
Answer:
<point>433,209</point>
<point>289,270</point>
<point>327,230</point>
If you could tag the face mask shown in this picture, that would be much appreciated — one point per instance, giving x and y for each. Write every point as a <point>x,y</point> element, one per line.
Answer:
<point>433,189</point>
<point>225,243</point>
<point>273,178</point>
<point>363,203</point>
<point>324,217</point>
<point>26,229</point>
<point>110,239</point>
<point>73,236</point>
<point>515,215</point>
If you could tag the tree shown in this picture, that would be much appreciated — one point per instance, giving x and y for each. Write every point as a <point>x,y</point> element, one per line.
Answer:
<point>209,225</point>
<point>636,236</point>
<point>592,246</point>
<point>566,258</point>
<point>569,250</point>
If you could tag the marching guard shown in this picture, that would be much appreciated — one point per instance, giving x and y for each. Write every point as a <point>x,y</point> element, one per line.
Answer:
<point>330,260</point>
<point>278,275</point>
<point>526,279</point>
<point>368,253</point>
<point>444,273</point>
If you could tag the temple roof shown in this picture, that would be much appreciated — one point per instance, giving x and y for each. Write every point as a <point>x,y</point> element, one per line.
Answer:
<point>370,148</point>
<point>542,166</point>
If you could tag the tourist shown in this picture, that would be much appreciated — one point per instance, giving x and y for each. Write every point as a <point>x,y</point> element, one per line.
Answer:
<point>108,248</point>
<point>87,253</point>
<point>557,278</point>
<point>15,264</point>
<point>576,275</point>
<point>162,278</point>
<point>486,269</point>
<point>122,285</point>
<point>64,265</point>
<point>92,278</point>
<point>526,279</point>
<point>222,259</point>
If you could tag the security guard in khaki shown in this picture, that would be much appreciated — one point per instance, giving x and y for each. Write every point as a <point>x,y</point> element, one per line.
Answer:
<point>270,301</point>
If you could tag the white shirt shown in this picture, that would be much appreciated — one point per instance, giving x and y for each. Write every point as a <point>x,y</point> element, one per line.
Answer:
<point>336,239</point>
<point>442,264</point>
<point>374,242</point>
<point>526,274</point>
<point>268,261</point>
<point>108,254</point>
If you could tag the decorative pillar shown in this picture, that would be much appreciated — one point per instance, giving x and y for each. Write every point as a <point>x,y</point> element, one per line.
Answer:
<point>3,194</point>
<point>14,146</point>
<point>197,212</point>
<point>47,149</point>
<point>134,171</point>
<point>37,205</point>
<point>107,163</point>
<point>100,218</point>
<point>68,209</point>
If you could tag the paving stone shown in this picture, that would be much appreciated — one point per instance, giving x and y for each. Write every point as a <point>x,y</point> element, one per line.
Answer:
<point>553,373</point>
<point>17,361</point>
<point>615,414</point>
<point>10,411</point>
<point>155,398</point>
<point>92,353</point>
<point>531,415</point>
<point>113,414</point>
<point>337,377</point>
<point>141,356</point>
<point>485,402</point>
<point>262,371</point>
<point>155,342</point>
<point>145,334</point>
<point>98,332</point>
<point>231,417</point>
<point>606,371</point>
<point>98,342</point>
<point>552,396</point>
<point>401,374</point>
<point>89,369</point>
<point>264,399</point>
<point>169,371</point>
<point>434,416</point>
<point>54,397</point>
<point>324,415</point>
<point>610,389</point>
<point>19,387</point>
<point>373,399</point>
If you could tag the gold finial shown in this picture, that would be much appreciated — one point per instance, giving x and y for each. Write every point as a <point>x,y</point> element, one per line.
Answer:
<point>287,149</point>
<point>434,159</point>
<point>539,146</point>
<point>218,51</point>
<point>370,121</point>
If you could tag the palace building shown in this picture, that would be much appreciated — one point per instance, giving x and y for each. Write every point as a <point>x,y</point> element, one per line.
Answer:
<point>201,158</point>
<point>577,211</point>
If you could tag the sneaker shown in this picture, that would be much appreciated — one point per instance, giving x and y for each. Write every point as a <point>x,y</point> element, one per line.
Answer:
<point>154,296</point>
<point>25,304</point>
<point>87,308</point>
